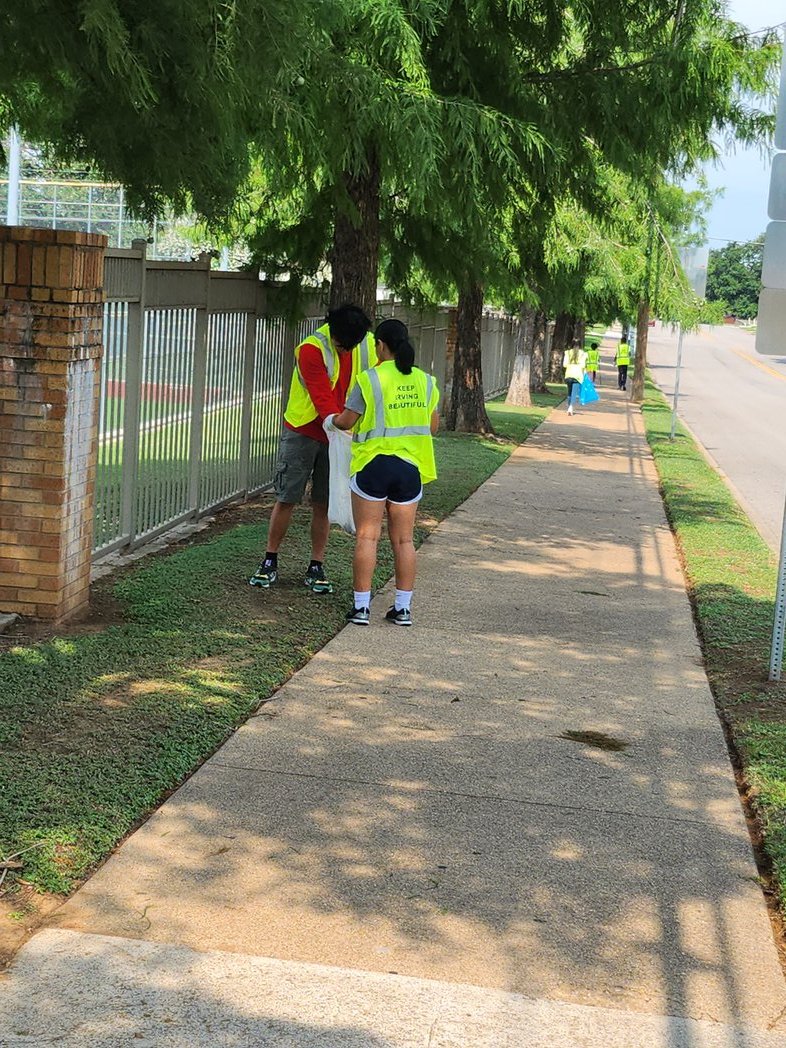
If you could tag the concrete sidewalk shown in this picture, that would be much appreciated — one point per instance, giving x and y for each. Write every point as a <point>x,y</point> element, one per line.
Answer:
<point>513,825</point>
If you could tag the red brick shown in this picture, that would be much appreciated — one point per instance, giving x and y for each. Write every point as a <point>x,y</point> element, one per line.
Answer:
<point>9,264</point>
<point>38,267</point>
<point>52,270</point>
<point>24,264</point>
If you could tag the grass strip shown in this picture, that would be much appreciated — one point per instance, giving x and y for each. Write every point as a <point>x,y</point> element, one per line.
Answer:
<point>97,724</point>
<point>731,576</point>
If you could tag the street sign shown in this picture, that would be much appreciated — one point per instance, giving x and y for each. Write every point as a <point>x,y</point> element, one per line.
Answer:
<point>771,337</point>
<point>780,119</point>
<point>770,331</point>
<point>773,271</point>
<point>694,261</point>
<point>776,207</point>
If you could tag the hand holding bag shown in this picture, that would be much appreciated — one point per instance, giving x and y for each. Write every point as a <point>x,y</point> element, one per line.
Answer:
<point>340,497</point>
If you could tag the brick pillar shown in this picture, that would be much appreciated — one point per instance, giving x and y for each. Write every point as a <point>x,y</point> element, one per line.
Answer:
<point>51,330</point>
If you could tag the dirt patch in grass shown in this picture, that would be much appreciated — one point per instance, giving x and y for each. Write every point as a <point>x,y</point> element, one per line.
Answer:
<point>22,912</point>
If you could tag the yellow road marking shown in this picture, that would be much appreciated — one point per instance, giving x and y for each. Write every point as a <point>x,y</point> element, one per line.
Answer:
<point>758,364</point>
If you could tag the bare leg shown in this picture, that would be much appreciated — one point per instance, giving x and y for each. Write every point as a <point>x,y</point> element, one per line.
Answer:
<point>368,525</point>
<point>320,529</point>
<point>280,520</point>
<point>401,525</point>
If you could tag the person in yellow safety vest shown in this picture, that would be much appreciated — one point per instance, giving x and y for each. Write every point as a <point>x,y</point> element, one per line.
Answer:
<point>393,409</point>
<point>574,363</point>
<point>327,364</point>
<point>593,360</point>
<point>622,360</point>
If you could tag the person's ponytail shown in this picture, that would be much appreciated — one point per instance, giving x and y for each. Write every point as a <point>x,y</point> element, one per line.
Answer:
<point>395,335</point>
<point>404,355</point>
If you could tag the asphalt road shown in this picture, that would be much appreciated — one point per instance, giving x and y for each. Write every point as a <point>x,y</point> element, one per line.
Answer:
<point>735,402</point>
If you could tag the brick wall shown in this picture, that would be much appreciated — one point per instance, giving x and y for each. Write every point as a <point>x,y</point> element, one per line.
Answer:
<point>51,330</point>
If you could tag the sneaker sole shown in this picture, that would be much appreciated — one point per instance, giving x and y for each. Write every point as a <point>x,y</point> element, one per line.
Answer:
<point>396,622</point>
<point>328,588</point>
<point>358,622</point>
<point>260,585</point>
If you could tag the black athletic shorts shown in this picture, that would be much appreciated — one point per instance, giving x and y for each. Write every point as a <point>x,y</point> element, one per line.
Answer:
<point>388,478</point>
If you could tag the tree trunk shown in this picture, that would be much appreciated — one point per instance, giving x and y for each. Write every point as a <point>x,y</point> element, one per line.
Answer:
<point>640,363</point>
<point>580,331</point>
<point>559,343</point>
<point>538,373</point>
<point>548,345</point>
<point>467,412</point>
<point>354,256</point>
<point>519,388</point>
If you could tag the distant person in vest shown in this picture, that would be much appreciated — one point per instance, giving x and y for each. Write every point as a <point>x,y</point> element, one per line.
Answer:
<point>593,361</point>
<point>575,363</point>
<point>622,360</point>
<point>327,364</point>
<point>393,409</point>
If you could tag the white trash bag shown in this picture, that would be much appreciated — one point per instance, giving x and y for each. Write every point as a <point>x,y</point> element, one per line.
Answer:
<point>340,499</point>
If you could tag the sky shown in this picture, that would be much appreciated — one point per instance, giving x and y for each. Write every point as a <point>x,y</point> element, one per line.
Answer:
<point>741,212</point>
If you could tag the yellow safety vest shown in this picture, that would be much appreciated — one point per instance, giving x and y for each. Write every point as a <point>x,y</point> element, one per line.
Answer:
<point>300,408</point>
<point>574,368</point>
<point>593,359</point>
<point>623,353</point>
<point>397,419</point>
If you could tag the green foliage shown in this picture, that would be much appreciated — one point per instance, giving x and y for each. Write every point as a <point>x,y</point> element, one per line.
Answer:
<point>712,312</point>
<point>734,276</point>
<point>156,96</point>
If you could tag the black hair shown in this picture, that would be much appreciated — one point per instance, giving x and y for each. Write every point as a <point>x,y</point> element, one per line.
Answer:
<point>395,335</point>
<point>593,345</point>
<point>348,325</point>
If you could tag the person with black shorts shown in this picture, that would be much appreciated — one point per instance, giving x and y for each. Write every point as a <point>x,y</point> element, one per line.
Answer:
<point>392,412</point>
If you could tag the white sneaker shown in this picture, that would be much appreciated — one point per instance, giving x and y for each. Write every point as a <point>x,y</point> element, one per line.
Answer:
<point>570,409</point>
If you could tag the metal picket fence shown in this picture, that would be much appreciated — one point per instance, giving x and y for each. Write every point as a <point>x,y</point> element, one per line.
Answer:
<point>193,377</point>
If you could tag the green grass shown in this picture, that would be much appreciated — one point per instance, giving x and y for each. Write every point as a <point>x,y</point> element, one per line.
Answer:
<point>731,576</point>
<point>97,725</point>
<point>148,411</point>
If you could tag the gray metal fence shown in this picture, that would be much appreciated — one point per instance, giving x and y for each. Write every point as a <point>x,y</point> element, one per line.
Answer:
<point>192,384</point>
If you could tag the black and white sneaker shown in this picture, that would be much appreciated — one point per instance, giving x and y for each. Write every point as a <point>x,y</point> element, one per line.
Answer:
<point>316,580</point>
<point>399,618</point>
<point>265,576</point>
<point>359,616</point>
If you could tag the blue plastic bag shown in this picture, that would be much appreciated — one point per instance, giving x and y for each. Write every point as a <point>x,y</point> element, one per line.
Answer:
<point>588,392</point>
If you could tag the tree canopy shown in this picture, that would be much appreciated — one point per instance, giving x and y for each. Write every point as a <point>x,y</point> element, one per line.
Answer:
<point>734,276</point>
<point>452,138</point>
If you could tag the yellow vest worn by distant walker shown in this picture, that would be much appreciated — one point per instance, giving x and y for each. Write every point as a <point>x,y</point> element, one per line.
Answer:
<point>397,419</point>
<point>300,407</point>
<point>623,354</point>
<point>593,359</point>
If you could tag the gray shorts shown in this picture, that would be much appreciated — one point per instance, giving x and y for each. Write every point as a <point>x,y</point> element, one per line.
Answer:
<point>301,459</point>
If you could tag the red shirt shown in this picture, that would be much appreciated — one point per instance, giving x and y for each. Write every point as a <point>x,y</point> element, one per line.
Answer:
<point>327,401</point>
